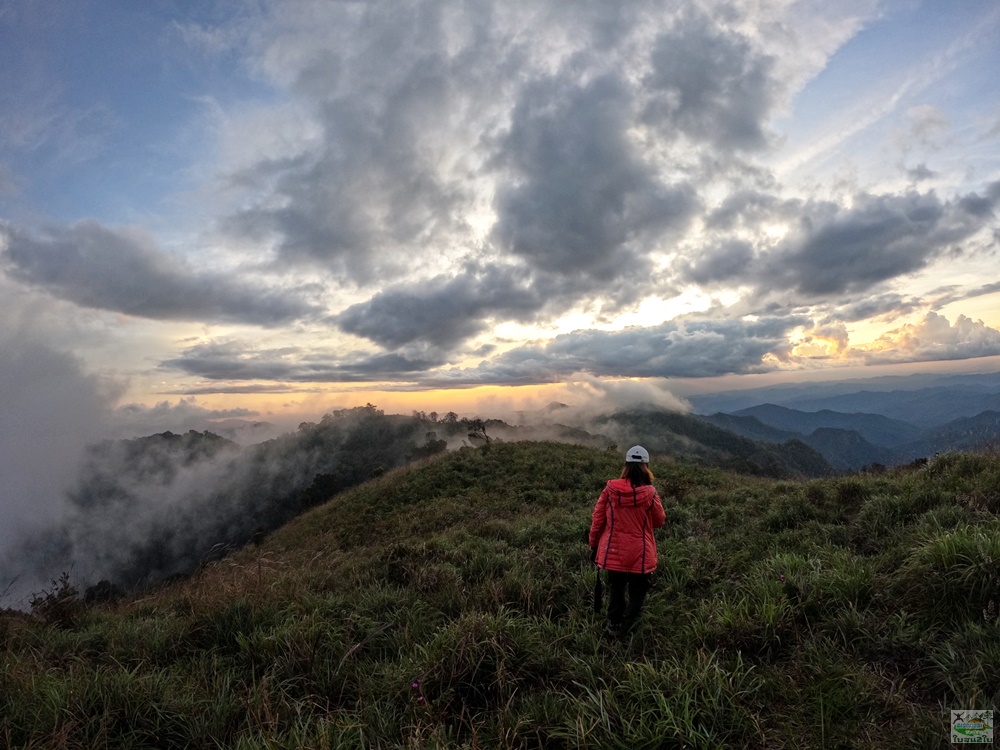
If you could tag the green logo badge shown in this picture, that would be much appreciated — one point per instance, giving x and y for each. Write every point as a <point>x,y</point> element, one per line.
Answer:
<point>971,727</point>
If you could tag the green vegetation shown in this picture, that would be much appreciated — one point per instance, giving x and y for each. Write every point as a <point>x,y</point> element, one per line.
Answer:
<point>446,604</point>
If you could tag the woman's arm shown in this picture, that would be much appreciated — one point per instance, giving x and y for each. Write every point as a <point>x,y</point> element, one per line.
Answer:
<point>598,518</point>
<point>659,516</point>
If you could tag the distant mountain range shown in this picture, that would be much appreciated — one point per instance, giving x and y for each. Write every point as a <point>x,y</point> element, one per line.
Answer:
<point>921,400</point>
<point>925,407</point>
<point>854,429</point>
<point>874,428</point>
<point>685,436</point>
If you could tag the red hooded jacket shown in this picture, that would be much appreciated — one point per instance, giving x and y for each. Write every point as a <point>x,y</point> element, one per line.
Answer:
<point>622,527</point>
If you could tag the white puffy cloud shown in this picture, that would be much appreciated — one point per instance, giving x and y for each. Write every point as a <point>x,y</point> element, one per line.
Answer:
<point>597,396</point>
<point>934,338</point>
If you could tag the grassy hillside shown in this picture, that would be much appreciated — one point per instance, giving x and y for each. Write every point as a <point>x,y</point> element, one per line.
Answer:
<point>446,604</point>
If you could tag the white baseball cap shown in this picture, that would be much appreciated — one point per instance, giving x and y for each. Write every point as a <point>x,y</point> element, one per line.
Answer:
<point>636,455</point>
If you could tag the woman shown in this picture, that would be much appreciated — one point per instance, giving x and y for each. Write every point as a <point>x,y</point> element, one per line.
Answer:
<point>621,536</point>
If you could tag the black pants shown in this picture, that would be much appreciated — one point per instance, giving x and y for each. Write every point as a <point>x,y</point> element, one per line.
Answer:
<point>637,585</point>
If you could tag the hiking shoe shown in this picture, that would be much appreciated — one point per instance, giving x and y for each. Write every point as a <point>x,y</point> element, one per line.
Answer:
<point>614,629</point>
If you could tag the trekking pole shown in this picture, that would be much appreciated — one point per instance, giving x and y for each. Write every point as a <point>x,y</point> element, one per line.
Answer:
<point>598,593</point>
<point>598,586</point>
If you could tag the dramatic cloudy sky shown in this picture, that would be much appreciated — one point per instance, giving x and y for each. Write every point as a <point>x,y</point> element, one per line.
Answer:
<point>274,206</point>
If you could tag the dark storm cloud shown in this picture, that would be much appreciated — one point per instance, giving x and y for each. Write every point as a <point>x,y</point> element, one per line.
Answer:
<point>711,85</point>
<point>691,348</point>
<point>443,311</point>
<point>688,348</point>
<point>580,200</point>
<point>749,208</point>
<point>237,361</point>
<point>383,367</point>
<point>980,206</point>
<point>100,268</point>
<point>726,262</point>
<point>236,389</point>
<point>392,100</point>
<point>892,305</point>
<point>365,193</point>
<point>836,250</point>
<point>920,172</point>
<point>443,103</point>
<point>950,294</point>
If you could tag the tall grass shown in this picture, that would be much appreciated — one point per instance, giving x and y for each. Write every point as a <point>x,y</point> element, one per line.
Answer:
<point>447,604</point>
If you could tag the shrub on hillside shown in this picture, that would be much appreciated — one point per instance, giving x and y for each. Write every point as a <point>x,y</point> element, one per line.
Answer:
<point>953,575</point>
<point>58,606</point>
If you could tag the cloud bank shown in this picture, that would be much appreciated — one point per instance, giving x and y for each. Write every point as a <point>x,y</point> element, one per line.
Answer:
<point>424,194</point>
<point>50,410</point>
<point>124,271</point>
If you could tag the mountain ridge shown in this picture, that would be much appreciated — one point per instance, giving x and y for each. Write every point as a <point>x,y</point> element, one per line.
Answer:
<point>853,441</point>
<point>838,395</point>
<point>875,428</point>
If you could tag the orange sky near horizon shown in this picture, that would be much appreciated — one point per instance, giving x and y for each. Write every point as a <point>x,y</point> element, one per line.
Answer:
<point>505,401</point>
